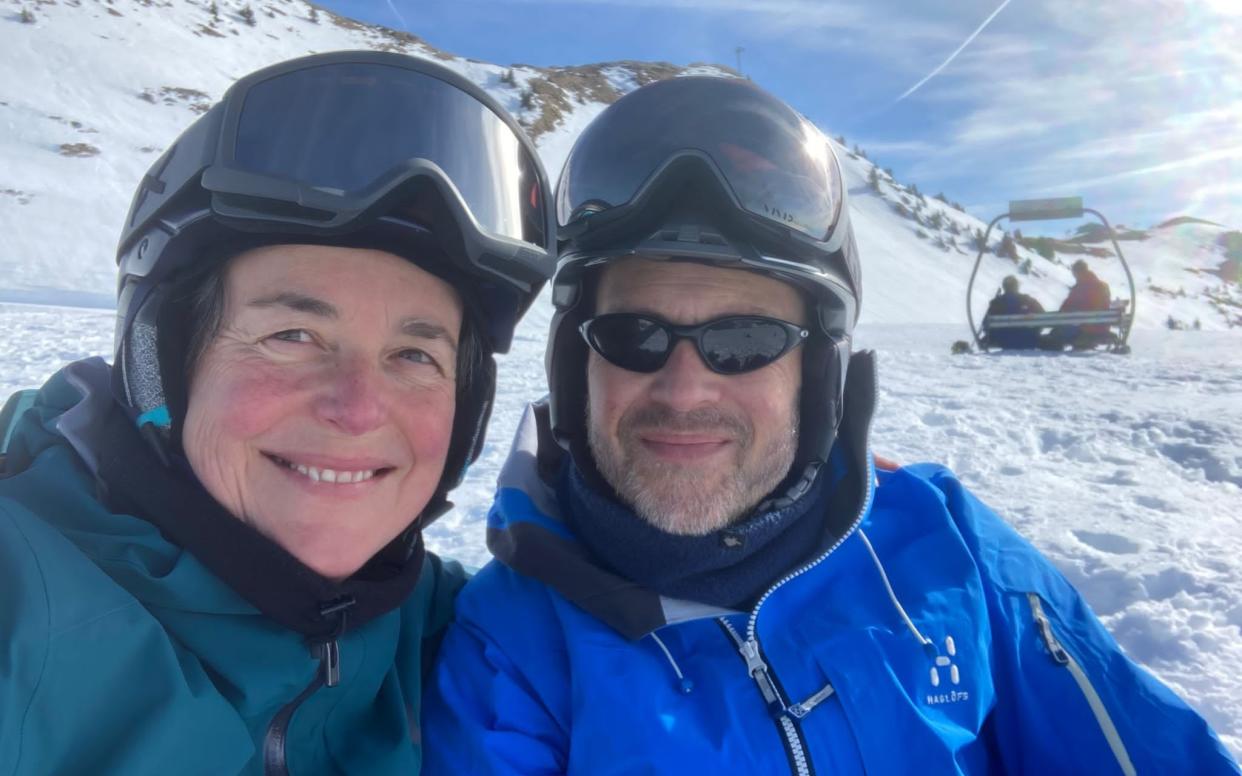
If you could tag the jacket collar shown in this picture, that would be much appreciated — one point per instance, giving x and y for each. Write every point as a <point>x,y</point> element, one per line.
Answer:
<point>132,479</point>
<point>526,530</point>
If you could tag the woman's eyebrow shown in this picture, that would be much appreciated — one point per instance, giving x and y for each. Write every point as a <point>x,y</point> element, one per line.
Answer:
<point>295,301</point>
<point>424,329</point>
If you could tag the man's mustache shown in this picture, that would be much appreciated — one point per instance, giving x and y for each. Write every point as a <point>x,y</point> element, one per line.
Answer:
<point>705,420</point>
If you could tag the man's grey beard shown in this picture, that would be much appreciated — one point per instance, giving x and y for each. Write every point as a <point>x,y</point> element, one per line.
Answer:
<point>684,499</point>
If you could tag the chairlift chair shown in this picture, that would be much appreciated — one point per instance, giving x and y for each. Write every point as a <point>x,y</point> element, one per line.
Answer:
<point>1119,317</point>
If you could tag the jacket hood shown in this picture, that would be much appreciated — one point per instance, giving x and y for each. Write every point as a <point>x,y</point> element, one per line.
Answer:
<point>526,531</point>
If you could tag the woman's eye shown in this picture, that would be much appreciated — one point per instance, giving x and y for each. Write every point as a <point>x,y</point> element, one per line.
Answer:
<point>293,335</point>
<point>418,356</point>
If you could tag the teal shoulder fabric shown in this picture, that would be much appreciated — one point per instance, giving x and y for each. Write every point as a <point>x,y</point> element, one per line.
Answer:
<point>124,654</point>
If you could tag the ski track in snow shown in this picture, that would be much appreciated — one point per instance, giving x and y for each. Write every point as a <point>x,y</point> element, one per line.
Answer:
<point>1125,470</point>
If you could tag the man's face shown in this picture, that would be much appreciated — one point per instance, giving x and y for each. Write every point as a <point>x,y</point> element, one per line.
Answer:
<point>691,450</point>
<point>321,413</point>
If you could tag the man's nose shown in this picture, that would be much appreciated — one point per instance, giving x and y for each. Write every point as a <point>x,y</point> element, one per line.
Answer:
<point>353,400</point>
<point>685,382</point>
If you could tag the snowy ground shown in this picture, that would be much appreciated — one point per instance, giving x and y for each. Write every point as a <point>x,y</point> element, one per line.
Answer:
<point>1126,471</point>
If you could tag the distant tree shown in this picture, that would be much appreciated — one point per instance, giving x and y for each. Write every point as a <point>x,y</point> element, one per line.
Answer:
<point>1043,246</point>
<point>1024,267</point>
<point>247,15</point>
<point>920,234</point>
<point>528,99</point>
<point>314,15</point>
<point>957,206</point>
<point>889,172</point>
<point>840,139</point>
<point>953,226</point>
<point>936,219</point>
<point>214,10</point>
<point>508,78</point>
<point>1174,323</point>
<point>1007,248</point>
<point>859,152</point>
<point>26,16</point>
<point>873,179</point>
<point>1017,235</point>
<point>1196,325</point>
<point>977,242</point>
<point>900,209</point>
<point>940,196</point>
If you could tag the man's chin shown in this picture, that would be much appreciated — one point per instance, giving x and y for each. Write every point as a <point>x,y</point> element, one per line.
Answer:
<point>689,504</point>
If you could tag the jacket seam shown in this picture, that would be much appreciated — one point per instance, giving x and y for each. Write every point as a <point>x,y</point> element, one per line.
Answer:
<point>47,642</point>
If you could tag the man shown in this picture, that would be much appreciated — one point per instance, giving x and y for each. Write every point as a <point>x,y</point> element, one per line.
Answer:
<point>1087,294</point>
<point>1011,301</point>
<point>698,568</point>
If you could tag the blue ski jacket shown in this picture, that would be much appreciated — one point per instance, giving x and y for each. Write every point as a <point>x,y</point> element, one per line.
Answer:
<point>925,636</point>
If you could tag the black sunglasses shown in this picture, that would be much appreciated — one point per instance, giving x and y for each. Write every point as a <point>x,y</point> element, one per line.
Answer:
<point>729,346</point>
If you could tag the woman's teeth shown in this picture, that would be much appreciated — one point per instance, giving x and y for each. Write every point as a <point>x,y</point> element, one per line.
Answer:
<point>328,475</point>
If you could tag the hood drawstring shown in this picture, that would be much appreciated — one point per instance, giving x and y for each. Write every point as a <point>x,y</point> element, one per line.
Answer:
<point>926,642</point>
<point>686,685</point>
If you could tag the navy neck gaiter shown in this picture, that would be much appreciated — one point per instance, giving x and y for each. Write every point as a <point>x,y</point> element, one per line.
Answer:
<point>730,567</point>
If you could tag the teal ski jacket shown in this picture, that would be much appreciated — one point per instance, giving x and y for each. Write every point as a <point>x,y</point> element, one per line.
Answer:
<point>122,653</point>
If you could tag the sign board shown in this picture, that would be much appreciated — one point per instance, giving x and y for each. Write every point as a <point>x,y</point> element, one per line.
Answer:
<point>1045,209</point>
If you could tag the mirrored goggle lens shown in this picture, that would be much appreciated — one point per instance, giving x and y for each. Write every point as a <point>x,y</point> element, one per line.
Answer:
<point>778,165</point>
<point>342,127</point>
<point>727,345</point>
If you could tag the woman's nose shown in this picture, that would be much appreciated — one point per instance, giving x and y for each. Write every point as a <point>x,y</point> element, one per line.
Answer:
<point>353,399</point>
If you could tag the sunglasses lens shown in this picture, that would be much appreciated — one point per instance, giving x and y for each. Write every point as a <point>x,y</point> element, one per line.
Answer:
<point>630,342</point>
<point>737,345</point>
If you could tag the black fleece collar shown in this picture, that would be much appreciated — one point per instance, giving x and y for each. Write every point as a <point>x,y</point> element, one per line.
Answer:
<point>548,551</point>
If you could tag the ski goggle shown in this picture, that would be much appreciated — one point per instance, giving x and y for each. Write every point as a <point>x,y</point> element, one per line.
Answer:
<point>777,165</point>
<point>317,145</point>
<point>731,345</point>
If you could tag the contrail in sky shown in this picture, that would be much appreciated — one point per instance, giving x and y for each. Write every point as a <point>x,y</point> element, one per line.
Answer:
<point>405,25</point>
<point>945,63</point>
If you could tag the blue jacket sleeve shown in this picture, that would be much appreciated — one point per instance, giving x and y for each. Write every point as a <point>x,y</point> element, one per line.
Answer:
<point>1068,699</point>
<point>482,711</point>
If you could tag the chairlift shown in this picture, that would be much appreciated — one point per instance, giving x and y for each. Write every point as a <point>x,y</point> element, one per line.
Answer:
<point>1119,317</point>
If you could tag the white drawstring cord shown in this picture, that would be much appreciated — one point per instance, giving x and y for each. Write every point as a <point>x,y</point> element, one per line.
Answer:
<point>686,685</point>
<point>892,595</point>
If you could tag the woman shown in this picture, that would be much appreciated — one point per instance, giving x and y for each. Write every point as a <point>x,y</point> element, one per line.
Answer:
<point>210,553</point>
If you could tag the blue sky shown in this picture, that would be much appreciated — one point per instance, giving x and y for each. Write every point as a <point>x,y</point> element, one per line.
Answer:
<point>1136,105</point>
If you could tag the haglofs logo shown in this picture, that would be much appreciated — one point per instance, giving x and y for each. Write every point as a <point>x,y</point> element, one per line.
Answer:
<point>945,671</point>
<point>946,662</point>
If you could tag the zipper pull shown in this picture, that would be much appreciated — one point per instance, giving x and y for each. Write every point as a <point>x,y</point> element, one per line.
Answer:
<point>800,710</point>
<point>330,660</point>
<point>759,672</point>
<point>1058,653</point>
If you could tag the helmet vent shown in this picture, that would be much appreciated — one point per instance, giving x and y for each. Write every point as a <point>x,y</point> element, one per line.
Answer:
<point>688,233</point>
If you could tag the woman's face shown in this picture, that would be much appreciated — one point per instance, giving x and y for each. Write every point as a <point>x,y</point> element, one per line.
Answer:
<point>322,410</point>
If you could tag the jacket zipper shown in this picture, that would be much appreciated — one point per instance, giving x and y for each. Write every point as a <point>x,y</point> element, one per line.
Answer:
<point>795,746</point>
<point>1062,657</point>
<point>329,675</point>
<point>749,647</point>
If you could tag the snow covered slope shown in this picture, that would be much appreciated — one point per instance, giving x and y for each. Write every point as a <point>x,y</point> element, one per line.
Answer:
<point>94,90</point>
<point>1126,471</point>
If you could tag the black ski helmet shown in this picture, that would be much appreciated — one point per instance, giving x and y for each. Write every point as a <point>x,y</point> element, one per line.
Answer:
<point>356,149</point>
<point>717,171</point>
